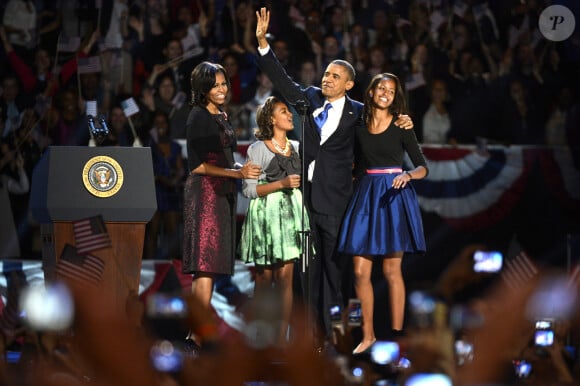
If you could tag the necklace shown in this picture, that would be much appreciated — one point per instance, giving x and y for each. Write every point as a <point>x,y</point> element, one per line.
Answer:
<point>279,148</point>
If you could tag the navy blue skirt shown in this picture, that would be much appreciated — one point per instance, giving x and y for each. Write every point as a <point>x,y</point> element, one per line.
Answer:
<point>381,219</point>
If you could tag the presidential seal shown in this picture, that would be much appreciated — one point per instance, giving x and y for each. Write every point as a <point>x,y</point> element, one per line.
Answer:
<point>102,176</point>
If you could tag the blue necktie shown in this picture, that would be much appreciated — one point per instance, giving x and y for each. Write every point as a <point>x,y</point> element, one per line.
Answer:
<point>322,116</point>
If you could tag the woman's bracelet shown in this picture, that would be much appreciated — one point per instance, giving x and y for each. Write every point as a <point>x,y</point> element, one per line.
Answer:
<point>409,174</point>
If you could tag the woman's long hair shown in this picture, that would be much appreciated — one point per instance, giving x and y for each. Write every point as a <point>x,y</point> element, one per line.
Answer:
<point>399,105</point>
<point>203,80</point>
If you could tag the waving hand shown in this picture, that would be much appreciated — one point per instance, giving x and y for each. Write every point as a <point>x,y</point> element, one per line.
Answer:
<point>263,21</point>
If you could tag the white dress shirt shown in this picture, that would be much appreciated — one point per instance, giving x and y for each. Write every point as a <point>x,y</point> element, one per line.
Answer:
<point>329,126</point>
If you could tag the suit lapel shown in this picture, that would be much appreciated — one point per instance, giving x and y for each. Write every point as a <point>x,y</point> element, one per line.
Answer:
<point>346,120</point>
<point>348,115</point>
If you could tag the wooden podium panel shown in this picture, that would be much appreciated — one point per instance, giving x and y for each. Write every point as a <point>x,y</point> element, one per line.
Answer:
<point>122,259</point>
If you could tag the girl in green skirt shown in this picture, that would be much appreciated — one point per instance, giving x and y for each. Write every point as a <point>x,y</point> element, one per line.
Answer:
<point>271,233</point>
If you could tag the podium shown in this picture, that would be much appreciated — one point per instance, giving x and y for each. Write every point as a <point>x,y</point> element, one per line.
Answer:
<point>72,183</point>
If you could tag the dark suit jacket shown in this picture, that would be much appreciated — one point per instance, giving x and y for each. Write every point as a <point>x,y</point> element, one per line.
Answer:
<point>331,186</point>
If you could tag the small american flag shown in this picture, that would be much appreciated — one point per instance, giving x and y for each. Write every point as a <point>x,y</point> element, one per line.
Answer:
<point>195,51</point>
<point>414,81</point>
<point>519,270</point>
<point>91,108</point>
<point>400,22</point>
<point>459,8</point>
<point>179,100</point>
<point>438,18</point>
<point>91,234</point>
<point>129,107</point>
<point>68,44</point>
<point>89,64</point>
<point>79,268</point>
<point>479,10</point>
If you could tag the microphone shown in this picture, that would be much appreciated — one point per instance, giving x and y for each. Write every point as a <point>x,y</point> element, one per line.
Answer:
<point>301,106</point>
<point>98,133</point>
<point>104,126</point>
<point>91,123</point>
<point>301,102</point>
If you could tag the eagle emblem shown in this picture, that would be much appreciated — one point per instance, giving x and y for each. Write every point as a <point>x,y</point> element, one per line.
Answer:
<point>102,176</point>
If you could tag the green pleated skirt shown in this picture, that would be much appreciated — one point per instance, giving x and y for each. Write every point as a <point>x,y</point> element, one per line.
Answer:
<point>271,232</point>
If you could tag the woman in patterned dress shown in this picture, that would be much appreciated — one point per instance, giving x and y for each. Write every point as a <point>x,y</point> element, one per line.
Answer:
<point>271,233</point>
<point>210,189</point>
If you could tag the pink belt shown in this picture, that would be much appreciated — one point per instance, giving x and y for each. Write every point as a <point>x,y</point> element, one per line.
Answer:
<point>385,171</point>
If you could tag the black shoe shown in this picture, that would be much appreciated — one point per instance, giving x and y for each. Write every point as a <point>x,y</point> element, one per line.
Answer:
<point>190,347</point>
<point>330,350</point>
<point>398,334</point>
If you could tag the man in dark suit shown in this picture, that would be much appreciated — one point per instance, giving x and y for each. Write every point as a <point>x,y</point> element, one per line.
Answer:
<point>328,151</point>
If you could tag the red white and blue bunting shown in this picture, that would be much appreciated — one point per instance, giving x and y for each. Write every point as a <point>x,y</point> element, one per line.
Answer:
<point>472,189</point>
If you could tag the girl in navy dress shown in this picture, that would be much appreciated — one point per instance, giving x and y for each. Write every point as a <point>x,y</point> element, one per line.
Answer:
<point>383,220</point>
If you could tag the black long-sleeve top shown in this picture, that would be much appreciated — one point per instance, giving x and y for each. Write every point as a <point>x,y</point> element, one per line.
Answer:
<point>209,139</point>
<point>386,148</point>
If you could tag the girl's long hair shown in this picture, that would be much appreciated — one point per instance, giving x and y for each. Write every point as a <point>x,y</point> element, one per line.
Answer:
<point>399,105</point>
<point>264,113</point>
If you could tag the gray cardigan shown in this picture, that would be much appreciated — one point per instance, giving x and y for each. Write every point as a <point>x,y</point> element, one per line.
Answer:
<point>259,153</point>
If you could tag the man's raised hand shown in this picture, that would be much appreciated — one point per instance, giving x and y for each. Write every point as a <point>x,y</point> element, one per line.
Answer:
<point>263,21</point>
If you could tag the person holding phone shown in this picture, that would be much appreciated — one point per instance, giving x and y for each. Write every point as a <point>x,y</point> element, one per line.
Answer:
<point>383,219</point>
<point>270,236</point>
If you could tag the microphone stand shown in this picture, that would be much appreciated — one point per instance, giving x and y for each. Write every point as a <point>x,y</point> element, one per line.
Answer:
<point>301,107</point>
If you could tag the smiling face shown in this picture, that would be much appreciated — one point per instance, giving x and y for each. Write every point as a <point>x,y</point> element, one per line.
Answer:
<point>216,96</point>
<point>282,117</point>
<point>335,82</point>
<point>384,93</point>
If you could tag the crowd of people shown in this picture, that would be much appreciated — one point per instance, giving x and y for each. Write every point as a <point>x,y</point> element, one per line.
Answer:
<point>368,83</point>
<point>486,338</point>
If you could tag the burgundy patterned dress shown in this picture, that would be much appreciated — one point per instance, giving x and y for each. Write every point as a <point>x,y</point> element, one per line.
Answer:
<point>209,206</point>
